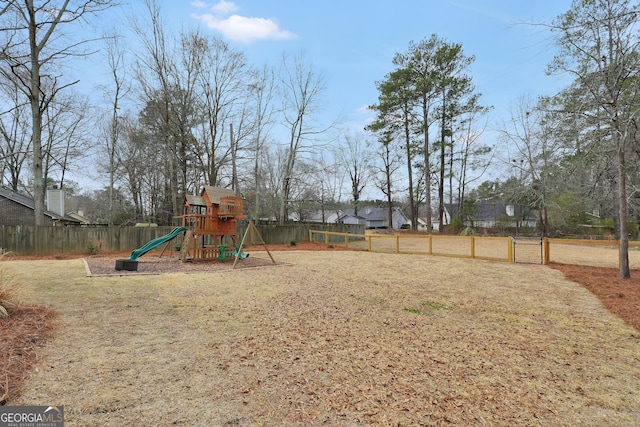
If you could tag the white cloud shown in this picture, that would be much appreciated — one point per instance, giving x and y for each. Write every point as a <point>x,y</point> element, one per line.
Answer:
<point>199,4</point>
<point>244,29</point>
<point>224,7</point>
<point>240,28</point>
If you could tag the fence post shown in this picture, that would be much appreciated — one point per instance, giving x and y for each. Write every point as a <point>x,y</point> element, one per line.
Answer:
<point>473,247</point>
<point>545,249</point>
<point>510,249</point>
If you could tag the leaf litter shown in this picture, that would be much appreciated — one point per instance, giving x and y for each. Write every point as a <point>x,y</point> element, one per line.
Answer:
<point>326,340</point>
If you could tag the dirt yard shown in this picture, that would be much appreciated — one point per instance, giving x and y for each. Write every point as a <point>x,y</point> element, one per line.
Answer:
<point>337,338</point>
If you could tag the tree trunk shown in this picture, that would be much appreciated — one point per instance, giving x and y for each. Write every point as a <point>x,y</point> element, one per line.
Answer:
<point>442,158</point>
<point>36,117</point>
<point>234,171</point>
<point>622,207</point>
<point>427,168</point>
<point>412,197</point>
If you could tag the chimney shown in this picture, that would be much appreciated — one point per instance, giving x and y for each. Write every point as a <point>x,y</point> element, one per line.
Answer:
<point>55,201</point>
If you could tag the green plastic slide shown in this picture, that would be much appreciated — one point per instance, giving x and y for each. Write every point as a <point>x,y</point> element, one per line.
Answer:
<point>157,242</point>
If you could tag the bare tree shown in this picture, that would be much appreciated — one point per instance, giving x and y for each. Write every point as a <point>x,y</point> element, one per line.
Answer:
<point>272,172</point>
<point>196,93</point>
<point>112,128</point>
<point>32,45</point>
<point>222,84</point>
<point>167,85</point>
<point>134,161</point>
<point>385,177</point>
<point>472,157</point>
<point>356,158</point>
<point>262,89</point>
<point>302,90</point>
<point>66,122</point>
<point>328,181</point>
<point>533,153</point>
<point>15,141</point>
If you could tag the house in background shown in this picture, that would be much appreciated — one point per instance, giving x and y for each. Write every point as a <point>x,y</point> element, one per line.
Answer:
<point>367,217</point>
<point>435,222</point>
<point>374,218</point>
<point>502,215</point>
<point>18,209</point>
<point>83,220</point>
<point>329,216</point>
<point>489,216</point>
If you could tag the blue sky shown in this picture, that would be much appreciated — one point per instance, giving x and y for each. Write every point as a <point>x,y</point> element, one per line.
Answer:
<point>353,42</point>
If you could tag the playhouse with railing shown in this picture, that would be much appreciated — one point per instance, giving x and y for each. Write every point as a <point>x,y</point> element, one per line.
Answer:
<point>210,220</point>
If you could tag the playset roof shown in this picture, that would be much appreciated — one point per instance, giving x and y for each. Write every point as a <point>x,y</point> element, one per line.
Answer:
<point>215,193</point>
<point>193,200</point>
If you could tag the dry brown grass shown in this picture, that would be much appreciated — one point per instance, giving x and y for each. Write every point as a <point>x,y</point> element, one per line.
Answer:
<point>338,338</point>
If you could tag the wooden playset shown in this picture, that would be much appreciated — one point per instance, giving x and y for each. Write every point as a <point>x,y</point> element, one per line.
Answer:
<point>208,230</point>
<point>210,220</point>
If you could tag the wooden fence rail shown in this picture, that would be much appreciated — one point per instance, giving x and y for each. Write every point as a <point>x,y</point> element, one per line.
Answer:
<point>488,248</point>
<point>49,240</point>
<point>597,253</point>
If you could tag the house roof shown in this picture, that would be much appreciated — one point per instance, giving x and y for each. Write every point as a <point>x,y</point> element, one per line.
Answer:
<point>30,203</point>
<point>81,218</point>
<point>492,211</point>
<point>329,215</point>
<point>373,214</point>
<point>17,197</point>
<point>349,214</point>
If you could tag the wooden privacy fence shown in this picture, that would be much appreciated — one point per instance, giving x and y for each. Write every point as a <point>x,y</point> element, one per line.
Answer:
<point>53,240</point>
<point>45,240</point>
